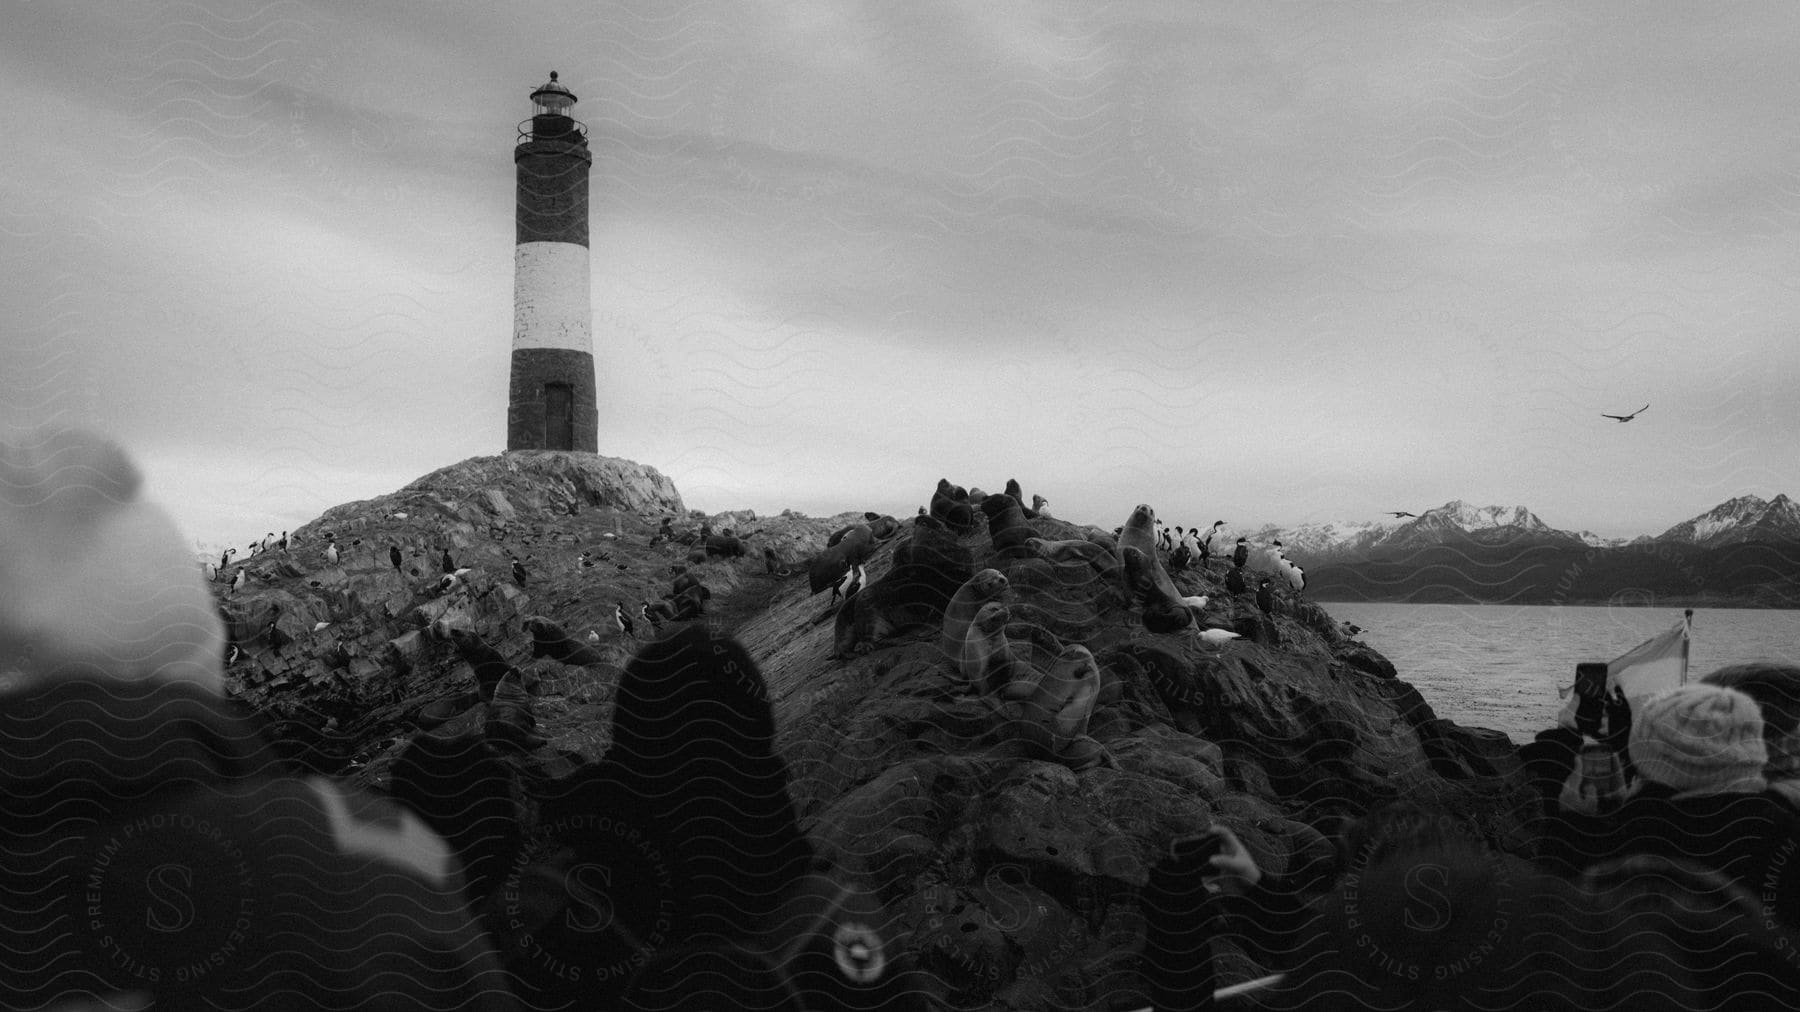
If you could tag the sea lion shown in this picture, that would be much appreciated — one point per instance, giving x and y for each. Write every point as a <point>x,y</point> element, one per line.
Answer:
<point>1063,699</point>
<point>1139,532</point>
<point>489,666</point>
<point>884,527</point>
<point>844,550</point>
<point>875,612</point>
<point>987,659</point>
<point>1050,714</point>
<point>936,548</point>
<point>771,562</point>
<point>981,588</point>
<point>691,602</point>
<point>1101,557</point>
<point>843,532</point>
<point>928,569</point>
<point>950,504</point>
<point>725,546</point>
<point>1163,613</point>
<point>686,580</point>
<point>510,722</point>
<point>1018,495</point>
<point>857,544</point>
<point>551,640</point>
<point>1006,524</point>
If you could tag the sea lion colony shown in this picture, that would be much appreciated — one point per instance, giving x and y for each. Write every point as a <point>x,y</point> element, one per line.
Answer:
<point>1031,666</point>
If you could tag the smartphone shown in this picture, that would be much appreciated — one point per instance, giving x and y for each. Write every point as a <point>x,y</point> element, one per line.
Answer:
<point>1590,691</point>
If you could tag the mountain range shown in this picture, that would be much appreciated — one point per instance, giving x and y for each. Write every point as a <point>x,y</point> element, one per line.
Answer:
<point>1745,551</point>
<point>1741,520</point>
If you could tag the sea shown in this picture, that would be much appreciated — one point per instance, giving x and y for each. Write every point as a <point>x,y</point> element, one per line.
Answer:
<point>1500,666</point>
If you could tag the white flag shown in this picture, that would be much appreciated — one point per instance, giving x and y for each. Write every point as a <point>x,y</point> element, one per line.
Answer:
<point>1658,663</point>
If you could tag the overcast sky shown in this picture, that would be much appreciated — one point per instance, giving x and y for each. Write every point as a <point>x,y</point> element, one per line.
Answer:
<point>1253,262</point>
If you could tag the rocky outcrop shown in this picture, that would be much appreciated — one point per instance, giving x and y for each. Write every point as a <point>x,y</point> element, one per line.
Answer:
<point>344,657</point>
<point>1019,875</point>
<point>1016,873</point>
<point>546,482</point>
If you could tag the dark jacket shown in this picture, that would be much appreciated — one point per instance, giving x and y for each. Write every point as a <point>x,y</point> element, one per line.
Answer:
<point>1463,928</point>
<point>151,842</point>
<point>1754,839</point>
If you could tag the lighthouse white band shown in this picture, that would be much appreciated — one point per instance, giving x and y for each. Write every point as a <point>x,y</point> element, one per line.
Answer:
<point>550,297</point>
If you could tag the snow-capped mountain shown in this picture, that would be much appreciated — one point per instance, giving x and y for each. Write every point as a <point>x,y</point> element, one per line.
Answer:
<point>1739,554</point>
<point>1459,519</point>
<point>1456,519</point>
<point>1322,540</point>
<point>1745,518</point>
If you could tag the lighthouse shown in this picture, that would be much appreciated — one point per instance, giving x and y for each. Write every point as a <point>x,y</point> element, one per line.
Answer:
<point>552,405</point>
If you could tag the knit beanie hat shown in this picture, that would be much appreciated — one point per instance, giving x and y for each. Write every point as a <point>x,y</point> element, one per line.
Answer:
<point>94,581</point>
<point>1700,739</point>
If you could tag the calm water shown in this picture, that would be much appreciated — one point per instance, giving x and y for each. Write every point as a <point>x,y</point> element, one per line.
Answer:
<point>1499,666</point>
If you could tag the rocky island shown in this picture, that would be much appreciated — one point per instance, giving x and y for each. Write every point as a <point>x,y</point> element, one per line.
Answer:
<point>1014,870</point>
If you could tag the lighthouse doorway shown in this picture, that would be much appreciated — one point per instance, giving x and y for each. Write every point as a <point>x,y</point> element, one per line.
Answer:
<point>559,417</point>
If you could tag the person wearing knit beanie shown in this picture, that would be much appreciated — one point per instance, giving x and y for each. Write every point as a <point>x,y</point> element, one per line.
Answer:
<point>153,849</point>
<point>94,580</point>
<point>1776,689</point>
<point>1700,739</point>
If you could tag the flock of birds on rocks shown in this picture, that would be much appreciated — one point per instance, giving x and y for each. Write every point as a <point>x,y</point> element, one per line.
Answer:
<point>686,599</point>
<point>1176,548</point>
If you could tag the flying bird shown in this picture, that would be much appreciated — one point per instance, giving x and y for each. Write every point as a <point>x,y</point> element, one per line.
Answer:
<point>1397,514</point>
<point>1626,418</point>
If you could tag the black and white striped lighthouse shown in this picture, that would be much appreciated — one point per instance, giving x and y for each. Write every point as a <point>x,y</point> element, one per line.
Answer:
<point>552,404</point>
